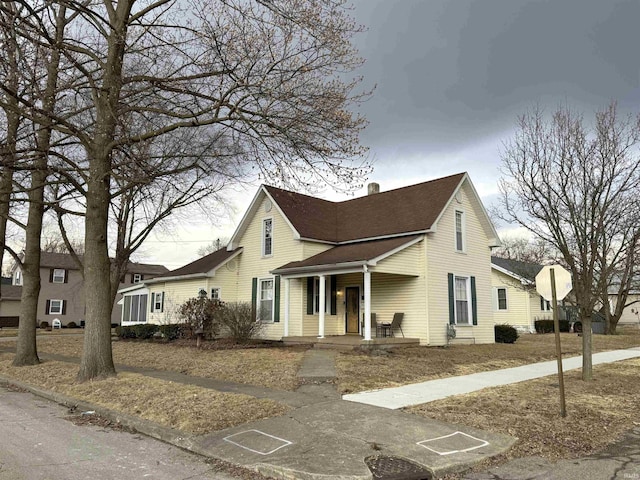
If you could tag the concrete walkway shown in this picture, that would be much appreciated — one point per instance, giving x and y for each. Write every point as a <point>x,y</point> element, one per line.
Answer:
<point>317,373</point>
<point>424,392</point>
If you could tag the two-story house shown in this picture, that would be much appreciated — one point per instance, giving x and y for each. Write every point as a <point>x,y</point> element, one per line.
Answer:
<point>61,288</point>
<point>312,267</point>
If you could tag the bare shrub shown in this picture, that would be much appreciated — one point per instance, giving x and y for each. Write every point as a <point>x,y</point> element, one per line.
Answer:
<point>237,319</point>
<point>200,314</point>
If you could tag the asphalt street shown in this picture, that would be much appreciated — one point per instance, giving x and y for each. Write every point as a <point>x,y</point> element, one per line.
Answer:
<point>38,443</point>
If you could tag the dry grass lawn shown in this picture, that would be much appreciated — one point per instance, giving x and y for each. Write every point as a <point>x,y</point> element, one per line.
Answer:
<point>358,371</point>
<point>187,408</point>
<point>13,332</point>
<point>598,412</point>
<point>268,367</point>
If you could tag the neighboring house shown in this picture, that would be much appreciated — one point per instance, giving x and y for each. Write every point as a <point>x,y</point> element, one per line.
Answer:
<point>61,287</point>
<point>515,300</point>
<point>631,313</point>
<point>9,305</point>
<point>311,267</point>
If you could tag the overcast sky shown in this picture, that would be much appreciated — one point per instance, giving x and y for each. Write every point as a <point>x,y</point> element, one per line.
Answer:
<point>451,77</point>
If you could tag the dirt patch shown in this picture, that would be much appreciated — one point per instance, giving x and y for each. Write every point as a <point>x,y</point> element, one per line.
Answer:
<point>187,408</point>
<point>598,412</point>
<point>358,371</point>
<point>273,367</point>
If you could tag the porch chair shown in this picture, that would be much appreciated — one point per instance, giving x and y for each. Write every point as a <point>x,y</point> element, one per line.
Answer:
<point>395,323</point>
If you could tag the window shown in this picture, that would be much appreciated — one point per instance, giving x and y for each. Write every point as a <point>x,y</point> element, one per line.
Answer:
<point>136,278</point>
<point>267,237</point>
<point>545,305</point>
<point>501,296</point>
<point>58,275</point>
<point>215,293</point>
<point>56,307</point>
<point>18,278</point>
<point>157,302</point>
<point>135,308</point>
<point>459,231</point>
<point>265,300</point>
<point>462,296</point>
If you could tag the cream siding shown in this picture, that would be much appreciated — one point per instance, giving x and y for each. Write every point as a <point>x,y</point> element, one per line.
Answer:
<point>409,261</point>
<point>536,312</point>
<point>475,261</point>
<point>9,308</point>
<point>309,249</point>
<point>630,314</point>
<point>254,265</point>
<point>518,313</point>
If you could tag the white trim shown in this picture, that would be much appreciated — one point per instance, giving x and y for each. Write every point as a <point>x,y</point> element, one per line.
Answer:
<point>385,237</point>
<point>154,297</point>
<point>210,292</point>
<point>144,292</point>
<point>321,311</point>
<point>51,300</point>
<point>496,305</point>
<point>468,300</point>
<point>463,230</point>
<point>319,271</point>
<point>263,237</point>
<point>286,307</point>
<point>53,275</point>
<point>131,288</point>
<point>367,304</point>
<point>379,258</point>
<point>522,280</point>
<point>259,298</point>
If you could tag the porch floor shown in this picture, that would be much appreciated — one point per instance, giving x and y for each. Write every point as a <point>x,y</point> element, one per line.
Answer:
<point>352,342</point>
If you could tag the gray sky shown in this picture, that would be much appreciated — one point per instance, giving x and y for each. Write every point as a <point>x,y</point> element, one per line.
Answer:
<point>452,76</point>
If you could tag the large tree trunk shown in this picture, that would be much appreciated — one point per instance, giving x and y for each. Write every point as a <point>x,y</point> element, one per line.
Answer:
<point>26,353</point>
<point>97,359</point>
<point>587,365</point>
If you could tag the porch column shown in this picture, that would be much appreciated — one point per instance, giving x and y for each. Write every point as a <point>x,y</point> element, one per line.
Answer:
<point>321,306</point>
<point>367,304</point>
<point>286,307</point>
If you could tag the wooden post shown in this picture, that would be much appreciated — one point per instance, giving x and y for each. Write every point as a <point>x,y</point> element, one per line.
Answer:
<point>556,327</point>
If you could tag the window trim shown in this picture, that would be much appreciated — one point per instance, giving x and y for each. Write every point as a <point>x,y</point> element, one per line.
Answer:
<point>545,303</point>
<point>259,299</point>
<point>154,302</point>
<point>506,299</point>
<point>463,231</point>
<point>18,277</point>
<point>51,312</point>
<point>53,275</point>
<point>264,237</point>
<point>139,297</point>
<point>469,301</point>
<point>137,278</point>
<point>219,289</point>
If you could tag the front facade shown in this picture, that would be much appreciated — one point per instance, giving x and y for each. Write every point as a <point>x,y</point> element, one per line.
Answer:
<point>62,290</point>
<point>515,300</point>
<point>316,268</point>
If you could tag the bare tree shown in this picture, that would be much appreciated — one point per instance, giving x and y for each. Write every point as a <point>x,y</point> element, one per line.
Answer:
<point>576,187</point>
<point>214,246</point>
<point>536,251</point>
<point>262,86</point>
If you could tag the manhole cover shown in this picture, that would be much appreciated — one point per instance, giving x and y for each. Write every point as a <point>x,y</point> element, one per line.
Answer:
<point>394,468</point>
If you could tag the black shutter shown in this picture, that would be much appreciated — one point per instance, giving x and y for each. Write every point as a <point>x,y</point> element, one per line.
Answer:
<point>47,308</point>
<point>254,298</point>
<point>132,278</point>
<point>474,301</point>
<point>153,302</point>
<point>64,307</point>
<point>66,276</point>
<point>452,299</point>
<point>51,275</point>
<point>276,300</point>
<point>310,281</point>
<point>334,295</point>
<point>162,303</point>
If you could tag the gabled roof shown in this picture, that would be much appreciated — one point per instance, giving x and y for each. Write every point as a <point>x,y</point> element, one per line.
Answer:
<point>402,211</point>
<point>201,266</point>
<point>351,254</point>
<point>517,269</point>
<point>66,261</point>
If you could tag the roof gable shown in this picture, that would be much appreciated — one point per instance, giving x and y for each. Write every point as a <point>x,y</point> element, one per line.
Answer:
<point>202,265</point>
<point>516,269</point>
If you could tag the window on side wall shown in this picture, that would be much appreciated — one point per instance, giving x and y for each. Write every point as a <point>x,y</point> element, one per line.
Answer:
<point>157,302</point>
<point>135,308</point>
<point>267,237</point>
<point>462,301</point>
<point>265,300</point>
<point>215,293</point>
<point>56,307</point>
<point>545,305</point>
<point>460,231</point>
<point>501,298</point>
<point>58,275</point>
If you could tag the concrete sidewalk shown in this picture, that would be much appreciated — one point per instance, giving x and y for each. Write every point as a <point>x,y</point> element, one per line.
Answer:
<point>424,392</point>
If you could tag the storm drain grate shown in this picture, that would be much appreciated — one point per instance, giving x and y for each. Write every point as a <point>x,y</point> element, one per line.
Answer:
<point>394,468</point>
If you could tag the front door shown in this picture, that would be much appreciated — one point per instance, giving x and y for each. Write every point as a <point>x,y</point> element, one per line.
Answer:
<point>353,309</point>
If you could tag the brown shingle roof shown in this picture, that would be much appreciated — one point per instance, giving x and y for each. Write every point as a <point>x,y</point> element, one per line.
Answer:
<point>351,252</point>
<point>202,265</point>
<point>65,260</point>
<point>403,210</point>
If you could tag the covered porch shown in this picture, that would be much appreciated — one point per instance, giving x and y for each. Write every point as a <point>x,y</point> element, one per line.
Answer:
<point>329,300</point>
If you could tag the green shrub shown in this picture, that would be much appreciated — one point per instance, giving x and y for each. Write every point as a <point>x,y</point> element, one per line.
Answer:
<point>546,326</point>
<point>44,325</point>
<point>72,325</point>
<point>147,331</point>
<point>505,334</point>
<point>172,331</point>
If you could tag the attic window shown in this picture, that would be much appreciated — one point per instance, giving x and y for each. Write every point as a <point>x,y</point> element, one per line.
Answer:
<point>267,237</point>
<point>58,275</point>
<point>460,227</point>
